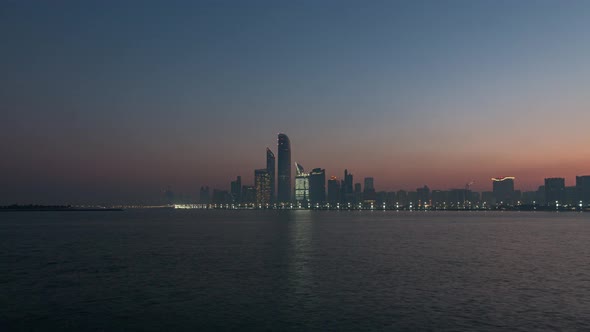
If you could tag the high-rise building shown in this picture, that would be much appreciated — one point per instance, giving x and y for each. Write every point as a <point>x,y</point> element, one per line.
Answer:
<point>236,190</point>
<point>333,190</point>
<point>583,189</point>
<point>301,185</point>
<point>204,195</point>
<point>503,188</point>
<point>346,188</point>
<point>423,195</point>
<point>284,170</point>
<point>369,184</point>
<point>554,191</point>
<point>270,167</point>
<point>317,186</point>
<point>262,185</point>
<point>570,196</point>
<point>358,194</point>
<point>248,194</point>
<point>369,195</point>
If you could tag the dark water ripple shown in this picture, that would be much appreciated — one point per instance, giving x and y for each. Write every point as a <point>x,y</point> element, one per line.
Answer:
<point>298,270</point>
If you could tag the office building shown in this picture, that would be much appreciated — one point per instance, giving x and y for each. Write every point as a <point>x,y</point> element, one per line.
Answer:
<point>236,190</point>
<point>317,186</point>
<point>301,185</point>
<point>262,185</point>
<point>334,193</point>
<point>554,191</point>
<point>284,170</point>
<point>270,168</point>
<point>583,189</point>
<point>503,188</point>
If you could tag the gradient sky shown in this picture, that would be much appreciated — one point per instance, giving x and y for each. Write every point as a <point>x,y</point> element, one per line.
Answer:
<point>109,102</point>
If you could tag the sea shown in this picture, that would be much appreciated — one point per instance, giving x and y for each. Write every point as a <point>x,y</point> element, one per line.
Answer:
<point>299,270</point>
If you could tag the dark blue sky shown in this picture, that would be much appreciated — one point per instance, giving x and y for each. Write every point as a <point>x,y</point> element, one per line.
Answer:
<point>106,101</point>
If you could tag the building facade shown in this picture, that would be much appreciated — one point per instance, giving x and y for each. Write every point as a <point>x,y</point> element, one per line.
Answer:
<point>554,191</point>
<point>262,185</point>
<point>271,169</point>
<point>503,188</point>
<point>301,185</point>
<point>284,170</point>
<point>317,186</point>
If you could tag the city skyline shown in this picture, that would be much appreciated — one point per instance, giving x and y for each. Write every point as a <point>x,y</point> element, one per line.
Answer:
<point>311,190</point>
<point>120,102</point>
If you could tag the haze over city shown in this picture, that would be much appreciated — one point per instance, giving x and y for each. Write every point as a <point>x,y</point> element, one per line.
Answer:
<point>111,102</point>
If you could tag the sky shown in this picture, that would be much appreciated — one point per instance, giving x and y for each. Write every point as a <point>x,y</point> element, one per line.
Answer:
<point>116,101</point>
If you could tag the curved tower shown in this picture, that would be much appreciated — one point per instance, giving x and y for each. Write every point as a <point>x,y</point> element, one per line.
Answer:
<point>284,170</point>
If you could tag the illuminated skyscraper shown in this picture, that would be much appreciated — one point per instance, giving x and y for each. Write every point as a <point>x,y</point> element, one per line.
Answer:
<point>262,185</point>
<point>270,167</point>
<point>317,186</point>
<point>503,188</point>
<point>284,170</point>
<point>301,185</point>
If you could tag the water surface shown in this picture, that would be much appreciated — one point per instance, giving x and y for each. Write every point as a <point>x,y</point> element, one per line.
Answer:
<point>294,270</point>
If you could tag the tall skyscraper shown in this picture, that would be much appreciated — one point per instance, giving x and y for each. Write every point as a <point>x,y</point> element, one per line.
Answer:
<point>554,191</point>
<point>301,185</point>
<point>236,190</point>
<point>262,185</point>
<point>503,188</point>
<point>284,169</point>
<point>333,190</point>
<point>270,167</point>
<point>317,186</point>
<point>583,189</point>
<point>347,187</point>
<point>369,184</point>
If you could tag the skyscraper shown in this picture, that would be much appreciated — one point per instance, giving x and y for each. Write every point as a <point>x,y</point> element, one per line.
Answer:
<point>503,188</point>
<point>583,189</point>
<point>236,190</point>
<point>369,184</point>
<point>346,188</point>
<point>262,185</point>
<point>301,185</point>
<point>554,191</point>
<point>284,170</point>
<point>270,167</point>
<point>317,186</point>
<point>333,190</point>
<point>369,195</point>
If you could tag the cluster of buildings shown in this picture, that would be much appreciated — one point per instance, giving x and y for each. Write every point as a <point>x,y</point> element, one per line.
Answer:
<point>273,189</point>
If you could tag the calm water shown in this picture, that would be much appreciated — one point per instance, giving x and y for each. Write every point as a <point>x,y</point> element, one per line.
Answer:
<point>298,270</point>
